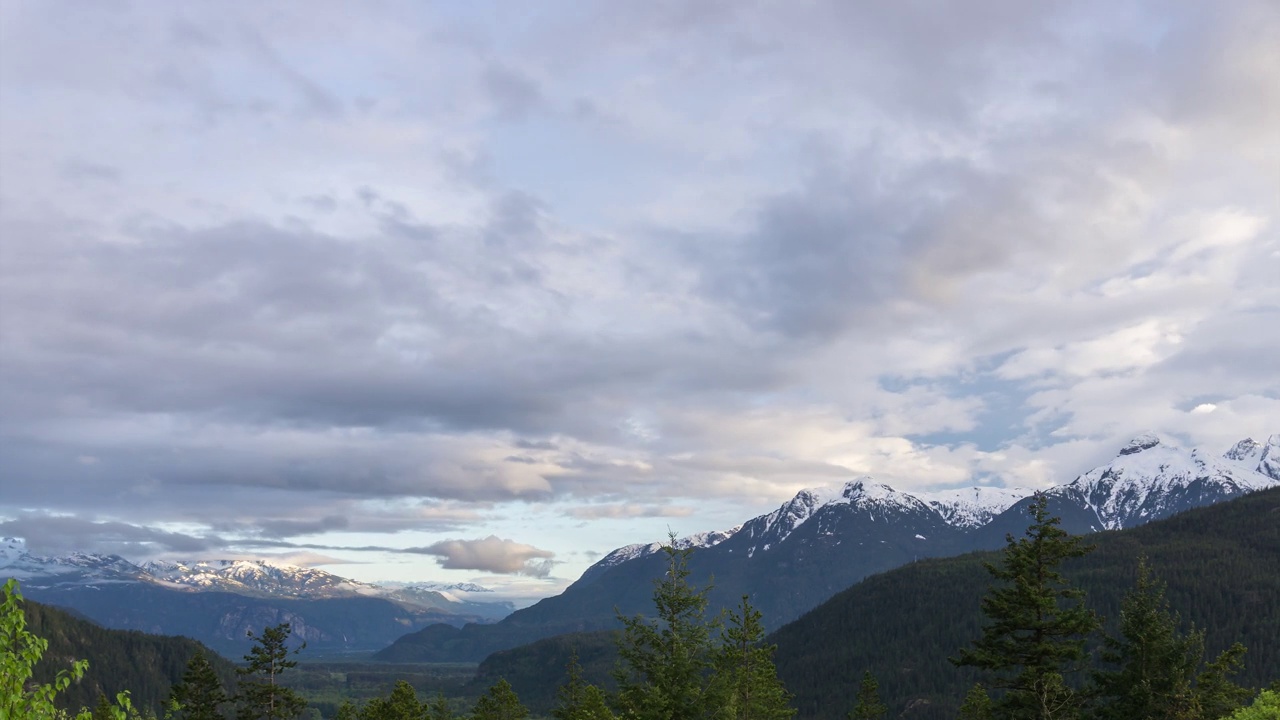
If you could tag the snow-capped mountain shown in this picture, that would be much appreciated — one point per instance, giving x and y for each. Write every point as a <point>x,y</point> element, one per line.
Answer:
<point>459,587</point>
<point>627,553</point>
<point>975,506</point>
<point>255,578</point>
<point>1153,478</point>
<point>824,539</point>
<point>1264,459</point>
<point>247,578</point>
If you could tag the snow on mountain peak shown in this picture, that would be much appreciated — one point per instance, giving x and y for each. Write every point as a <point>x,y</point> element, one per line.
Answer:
<point>1145,441</point>
<point>973,507</point>
<point>1245,451</point>
<point>638,550</point>
<point>11,548</point>
<point>1138,485</point>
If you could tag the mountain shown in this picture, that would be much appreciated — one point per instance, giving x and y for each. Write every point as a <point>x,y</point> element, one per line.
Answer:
<point>218,601</point>
<point>1221,565</point>
<point>825,539</point>
<point>145,665</point>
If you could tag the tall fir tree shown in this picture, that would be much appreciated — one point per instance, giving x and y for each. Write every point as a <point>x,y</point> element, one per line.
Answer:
<point>746,679</point>
<point>261,696</point>
<point>1216,696</point>
<point>199,696</point>
<point>577,699</point>
<point>868,706</point>
<point>665,661</point>
<point>499,703</point>
<point>1035,637</point>
<point>1154,662</point>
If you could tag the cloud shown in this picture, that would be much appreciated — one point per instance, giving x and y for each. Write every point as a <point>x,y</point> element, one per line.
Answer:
<point>491,554</point>
<point>628,510</point>
<point>694,255</point>
<point>61,534</point>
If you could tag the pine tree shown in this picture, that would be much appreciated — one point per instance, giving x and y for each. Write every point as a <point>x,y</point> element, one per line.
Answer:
<point>578,699</point>
<point>745,677</point>
<point>499,703</point>
<point>1215,695</point>
<point>439,709</point>
<point>1038,624</point>
<point>665,661</point>
<point>401,704</point>
<point>261,695</point>
<point>977,704</point>
<point>1155,663</point>
<point>200,693</point>
<point>869,706</point>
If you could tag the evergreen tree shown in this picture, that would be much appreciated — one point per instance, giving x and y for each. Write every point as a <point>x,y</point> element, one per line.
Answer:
<point>401,704</point>
<point>347,711</point>
<point>578,699</point>
<point>102,710</point>
<point>745,677</point>
<point>1038,624</point>
<point>665,661</point>
<point>1155,663</point>
<point>439,709</point>
<point>1216,696</point>
<point>261,695</point>
<point>977,704</point>
<point>869,706</point>
<point>200,693</point>
<point>499,703</point>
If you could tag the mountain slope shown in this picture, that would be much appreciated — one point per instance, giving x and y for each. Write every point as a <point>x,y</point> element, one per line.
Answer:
<point>825,539</point>
<point>1221,563</point>
<point>145,665</point>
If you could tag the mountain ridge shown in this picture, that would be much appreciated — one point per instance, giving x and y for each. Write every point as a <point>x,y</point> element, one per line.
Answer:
<point>825,539</point>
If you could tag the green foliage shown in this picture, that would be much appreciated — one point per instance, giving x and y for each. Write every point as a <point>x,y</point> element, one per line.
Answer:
<point>977,704</point>
<point>1155,664</point>
<point>439,709</point>
<point>868,706</point>
<point>578,699</point>
<point>261,696</point>
<point>401,704</point>
<point>499,703</point>
<point>20,650</point>
<point>1216,694</point>
<point>1265,707</point>
<point>200,693</point>
<point>746,680</point>
<point>665,661</point>
<point>1037,623</point>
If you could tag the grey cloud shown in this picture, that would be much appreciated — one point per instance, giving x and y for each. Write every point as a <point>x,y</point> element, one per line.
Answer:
<point>60,534</point>
<point>491,554</point>
<point>514,94</point>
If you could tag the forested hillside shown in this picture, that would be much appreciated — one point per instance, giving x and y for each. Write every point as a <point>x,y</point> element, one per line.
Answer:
<point>1221,564</point>
<point>145,665</point>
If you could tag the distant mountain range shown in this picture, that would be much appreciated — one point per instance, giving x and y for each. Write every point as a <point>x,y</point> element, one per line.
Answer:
<point>218,601</point>
<point>1220,565</point>
<point>825,539</point>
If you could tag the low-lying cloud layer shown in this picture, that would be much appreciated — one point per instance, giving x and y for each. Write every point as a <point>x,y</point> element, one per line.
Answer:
<point>312,279</point>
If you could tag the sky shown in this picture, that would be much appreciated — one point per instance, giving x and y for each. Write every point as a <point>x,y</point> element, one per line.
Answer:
<point>481,291</point>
